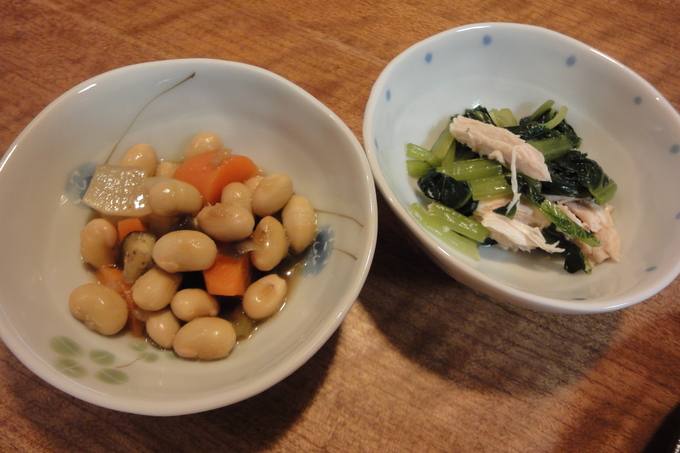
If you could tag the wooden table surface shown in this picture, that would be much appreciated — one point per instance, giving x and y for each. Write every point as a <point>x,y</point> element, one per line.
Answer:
<point>421,362</point>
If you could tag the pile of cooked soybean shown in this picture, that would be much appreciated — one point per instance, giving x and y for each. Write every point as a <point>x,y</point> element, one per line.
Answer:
<point>189,253</point>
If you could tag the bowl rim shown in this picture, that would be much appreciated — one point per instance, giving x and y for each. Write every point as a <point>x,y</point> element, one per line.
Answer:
<point>440,253</point>
<point>283,368</point>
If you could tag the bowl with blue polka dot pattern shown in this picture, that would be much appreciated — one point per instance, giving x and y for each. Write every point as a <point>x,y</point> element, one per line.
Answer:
<point>625,123</point>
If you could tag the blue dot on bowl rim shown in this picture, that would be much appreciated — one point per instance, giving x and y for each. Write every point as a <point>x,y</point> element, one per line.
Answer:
<point>675,149</point>
<point>428,57</point>
<point>388,95</point>
<point>637,100</point>
<point>650,269</point>
<point>571,60</point>
<point>677,216</point>
<point>486,40</point>
<point>375,143</point>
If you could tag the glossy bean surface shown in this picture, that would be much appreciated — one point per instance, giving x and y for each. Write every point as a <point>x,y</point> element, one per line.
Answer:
<point>265,296</point>
<point>205,339</point>
<point>299,220</point>
<point>202,143</point>
<point>143,156</point>
<point>161,327</point>
<point>99,243</point>
<point>227,223</point>
<point>271,244</point>
<point>99,307</point>
<point>191,303</point>
<point>185,251</point>
<point>172,197</point>
<point>271,194</point>
<point>253,182</point>
<point>237,194</point>
<point>166,169</point>
<point>154,289</point>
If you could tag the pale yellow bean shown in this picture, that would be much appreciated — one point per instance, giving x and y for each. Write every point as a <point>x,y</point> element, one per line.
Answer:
<point>172,197</point>
<point>237,194</point>
<point>272,194</point>
<point>167,169</point>
<point>99,243</point>
<point>202,143</point>
<point>101,308</point>
<point>253,182</point>
<point>271,244</point>
<point>226,223</point>
<point>155,289</point>
<point>299,220</point>
<point>142,156</point>
<point>265,296</point>
<point>185,251</point>
<point>205,338</point>
<point>162,326</point>
<point>191,303</point>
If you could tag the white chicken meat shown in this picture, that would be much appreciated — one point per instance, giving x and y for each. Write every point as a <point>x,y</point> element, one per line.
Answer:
<point>500,144</point>
<point>597,220</point>
<point>522,232</point>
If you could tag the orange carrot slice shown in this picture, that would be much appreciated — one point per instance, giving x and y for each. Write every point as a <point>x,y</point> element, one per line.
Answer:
<point>228,276</point>
<point>128,225</point>
<point>209,172</point>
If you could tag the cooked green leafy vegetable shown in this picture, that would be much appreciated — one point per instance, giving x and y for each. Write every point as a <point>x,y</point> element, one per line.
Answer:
<point>574,260</point>
<point>459,180</point>
<point>575,175</point>
<point>437,227</point>
<point>448,191</point>
<point>528,187</point>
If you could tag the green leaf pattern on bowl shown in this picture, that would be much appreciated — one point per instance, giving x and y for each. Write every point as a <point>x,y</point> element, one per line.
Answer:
<point>69,367</point>
<point>73,362</point>
<point>103,358</point>
<point>112,376</point>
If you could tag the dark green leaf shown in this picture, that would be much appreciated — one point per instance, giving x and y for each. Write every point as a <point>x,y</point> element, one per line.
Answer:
<point>575,175</point>
<point>574,260</point>
<point>448,191</point>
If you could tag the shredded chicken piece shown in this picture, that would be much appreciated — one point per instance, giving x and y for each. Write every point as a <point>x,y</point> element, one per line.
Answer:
<point>597,220</point>
<point>523,232</point>
<point>514,235</point>
<point>500,144</point>
<point>525,213</point>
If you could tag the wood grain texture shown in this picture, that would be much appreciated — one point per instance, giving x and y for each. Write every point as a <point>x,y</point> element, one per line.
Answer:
<point>421,362</point>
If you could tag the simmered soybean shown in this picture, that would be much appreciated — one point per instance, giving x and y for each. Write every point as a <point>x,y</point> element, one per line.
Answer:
<point>227,223</point>
<point>178,238</point>
<point>264,297</point>
<point>299,221</point>
<point>185,251</point>
<point>99,243</point>
<point>271,244</point>
<point>161,327</point>
<point>155,289</point>
<point>191,303</point>
<point>172,197</point>
<point>271,194</point>
<point>205,338</point>
<point>99,307</point>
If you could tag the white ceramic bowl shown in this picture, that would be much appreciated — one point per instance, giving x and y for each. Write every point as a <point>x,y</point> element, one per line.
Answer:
<point>626,125</point>
<point>258,114</point>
